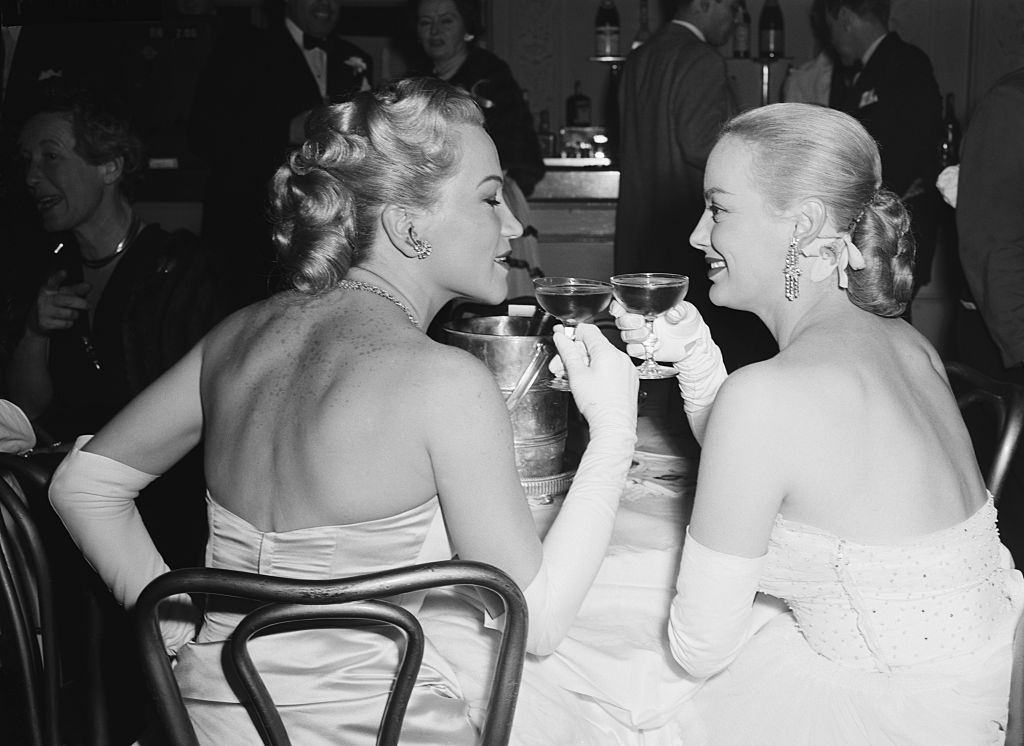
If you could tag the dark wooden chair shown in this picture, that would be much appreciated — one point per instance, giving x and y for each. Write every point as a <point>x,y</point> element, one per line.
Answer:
<point>68,701</point>
<point>28,622</point>
<point>337,602</point>
<point>994,413</point>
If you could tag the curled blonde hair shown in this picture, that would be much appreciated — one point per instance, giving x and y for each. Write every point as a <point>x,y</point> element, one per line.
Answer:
<point>395,145</point>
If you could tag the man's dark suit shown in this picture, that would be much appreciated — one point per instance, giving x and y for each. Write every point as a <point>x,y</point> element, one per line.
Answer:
<point>254,84</point>
<point>990,218</point>
<point>897,100</point>
<point>674,98</point>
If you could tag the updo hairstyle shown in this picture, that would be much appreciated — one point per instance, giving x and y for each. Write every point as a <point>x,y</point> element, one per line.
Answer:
<point>802,151</point>
<point>395,145</point>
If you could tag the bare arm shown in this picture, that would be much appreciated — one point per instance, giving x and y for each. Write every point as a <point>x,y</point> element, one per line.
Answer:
<point>486,511</point>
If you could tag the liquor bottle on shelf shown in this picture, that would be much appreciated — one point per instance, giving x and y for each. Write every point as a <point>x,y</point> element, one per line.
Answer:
<point>643,31</point>
<point>606,27</point>
<point>577,108</point>
<point>949,150</point>
<point>741,31</point>
<point>771,31</point>
<point>545,136</point>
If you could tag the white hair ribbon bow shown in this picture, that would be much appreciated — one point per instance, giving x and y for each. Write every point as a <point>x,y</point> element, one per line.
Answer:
<point>838,255</point>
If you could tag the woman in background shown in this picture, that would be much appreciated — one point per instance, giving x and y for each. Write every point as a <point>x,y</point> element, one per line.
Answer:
<point>448,31</point>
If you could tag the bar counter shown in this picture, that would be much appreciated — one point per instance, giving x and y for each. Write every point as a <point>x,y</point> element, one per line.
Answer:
<point>573,210</point>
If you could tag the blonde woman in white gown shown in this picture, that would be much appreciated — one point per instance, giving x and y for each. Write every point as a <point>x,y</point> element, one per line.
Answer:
<point>339,439</point>
<point>837,476</point>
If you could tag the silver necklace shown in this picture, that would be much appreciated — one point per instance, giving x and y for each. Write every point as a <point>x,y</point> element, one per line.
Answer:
<point>129,236</point>
<point>370,288</point>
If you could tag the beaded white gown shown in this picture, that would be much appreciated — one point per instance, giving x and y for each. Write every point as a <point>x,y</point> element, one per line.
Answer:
<point>329,685</point>
<point>903,644</point>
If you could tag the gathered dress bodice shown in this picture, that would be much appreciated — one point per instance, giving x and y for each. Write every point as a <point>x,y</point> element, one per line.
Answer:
<point>885,607</point>
<point>318,552</point>
<point>329,684</point>
<point>905,643</point>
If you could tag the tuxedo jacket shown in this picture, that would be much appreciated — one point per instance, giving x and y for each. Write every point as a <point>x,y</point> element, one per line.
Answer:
<point>990,213</point>
<point>254,83</point>
<point>898,101</point>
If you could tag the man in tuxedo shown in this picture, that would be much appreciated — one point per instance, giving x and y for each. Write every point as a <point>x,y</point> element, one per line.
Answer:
<point>888,85</point>
<point>250,108</point>
<point>674,98</point>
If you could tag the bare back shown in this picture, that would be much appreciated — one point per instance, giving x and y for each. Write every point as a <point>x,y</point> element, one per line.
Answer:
<point>852,429</point>
<point>320,410</point>
<point>886,450</point>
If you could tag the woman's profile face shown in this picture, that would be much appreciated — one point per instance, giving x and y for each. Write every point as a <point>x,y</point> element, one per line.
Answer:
<point>470,224</point>
<point>66,189</point>
<point>441,29</point>
<point>744,244</point>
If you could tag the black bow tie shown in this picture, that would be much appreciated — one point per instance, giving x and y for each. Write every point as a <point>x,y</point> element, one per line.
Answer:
<point>311,42</point>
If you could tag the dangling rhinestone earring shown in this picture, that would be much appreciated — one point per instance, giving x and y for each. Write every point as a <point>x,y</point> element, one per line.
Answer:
<point>792,272</point>
<point>421,247</point>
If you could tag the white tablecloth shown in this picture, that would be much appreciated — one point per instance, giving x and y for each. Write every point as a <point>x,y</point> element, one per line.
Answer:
<point>616,657</point>
<point>613,679</point>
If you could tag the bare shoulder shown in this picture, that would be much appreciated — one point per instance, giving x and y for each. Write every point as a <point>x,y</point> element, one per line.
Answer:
<point>763,385</point>
<point>447,374</point>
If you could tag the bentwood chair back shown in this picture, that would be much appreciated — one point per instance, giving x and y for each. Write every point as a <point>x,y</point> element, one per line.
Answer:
<point>72,700</point>
<point>28,629</point>
<point>336,602</point>
<point>994,413</point>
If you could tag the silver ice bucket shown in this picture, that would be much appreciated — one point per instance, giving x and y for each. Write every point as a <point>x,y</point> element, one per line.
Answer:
<point>517,350</point>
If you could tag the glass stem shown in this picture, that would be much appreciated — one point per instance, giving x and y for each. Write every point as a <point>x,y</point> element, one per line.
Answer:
<point>649,343</point>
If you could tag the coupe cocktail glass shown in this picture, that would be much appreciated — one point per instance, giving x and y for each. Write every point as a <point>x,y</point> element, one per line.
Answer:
<point>650,294</point>
<point>573,301</point>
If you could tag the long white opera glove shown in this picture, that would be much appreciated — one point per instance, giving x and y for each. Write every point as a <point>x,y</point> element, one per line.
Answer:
<point>701,372</point>
<point>684,340</point>
<point>575,546</point>
<point>711,616</point>
<point>95,498</point>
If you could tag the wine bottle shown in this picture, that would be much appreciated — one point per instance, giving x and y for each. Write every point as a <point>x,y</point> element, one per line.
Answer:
<point>949,150</point>
<point>545,136</point>
<point>606,25</point>
<point>577,108</point>
<point>643,31</point>
<point>771,32</point>
<point>741,31</point>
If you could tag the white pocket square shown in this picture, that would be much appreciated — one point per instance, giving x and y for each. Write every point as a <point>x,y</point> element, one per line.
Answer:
<point>867,98</point>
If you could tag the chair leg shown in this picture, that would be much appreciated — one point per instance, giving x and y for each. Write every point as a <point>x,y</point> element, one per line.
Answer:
<point>95,701</point>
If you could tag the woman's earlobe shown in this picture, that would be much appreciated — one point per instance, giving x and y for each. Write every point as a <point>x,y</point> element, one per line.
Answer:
<point>395,222</point>
<point>810,220</point>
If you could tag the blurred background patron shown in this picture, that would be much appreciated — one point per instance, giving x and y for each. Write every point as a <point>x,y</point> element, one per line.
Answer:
<point>251,105</point>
